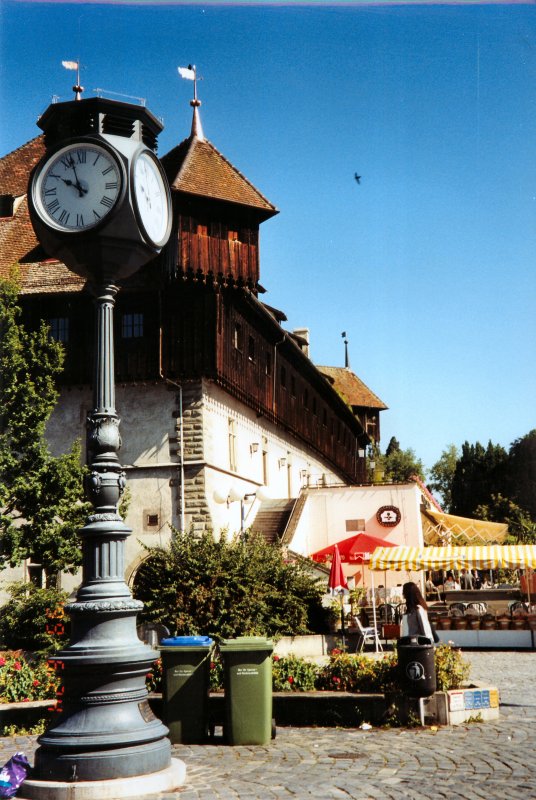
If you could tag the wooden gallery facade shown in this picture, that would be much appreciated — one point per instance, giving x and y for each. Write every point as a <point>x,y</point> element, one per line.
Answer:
<point>223,414</point>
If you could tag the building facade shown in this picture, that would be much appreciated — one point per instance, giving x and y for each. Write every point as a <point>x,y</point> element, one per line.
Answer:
<point>223,414</point>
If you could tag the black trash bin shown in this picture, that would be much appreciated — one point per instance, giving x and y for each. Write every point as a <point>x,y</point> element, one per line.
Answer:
<point>186,686</point>
<point>416,666</point>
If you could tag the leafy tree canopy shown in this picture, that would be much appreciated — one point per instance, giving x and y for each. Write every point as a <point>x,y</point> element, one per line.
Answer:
<point>480,473</point>
<point>521,528</point>
<point>397,465</point>
<point>442,474</point>
<point>522,472</point>
<point>40,495</point>
<point>227,588</point>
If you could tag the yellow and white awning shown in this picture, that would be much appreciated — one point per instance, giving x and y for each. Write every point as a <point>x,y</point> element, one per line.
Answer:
<point>441,529</point>
<point>507,556</point>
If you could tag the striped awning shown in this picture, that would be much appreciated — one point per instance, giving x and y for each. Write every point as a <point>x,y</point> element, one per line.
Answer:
<point>506,556</point>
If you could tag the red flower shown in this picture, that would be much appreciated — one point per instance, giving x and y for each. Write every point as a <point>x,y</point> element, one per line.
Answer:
<point>212,665</point>
<point>35,683</point>
<point>336,651</point>
<point>336,680</point>
<point>17,665</point>
<point>290,679</point>
<point>276,658</point>
<point>2,662</point>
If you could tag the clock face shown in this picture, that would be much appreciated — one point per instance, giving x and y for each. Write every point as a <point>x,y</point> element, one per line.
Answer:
<point>151,196</point>
<point>78,187</point>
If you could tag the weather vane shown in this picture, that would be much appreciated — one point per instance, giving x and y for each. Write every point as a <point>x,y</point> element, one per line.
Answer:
<point>190,74</point>
<point>77,89</point>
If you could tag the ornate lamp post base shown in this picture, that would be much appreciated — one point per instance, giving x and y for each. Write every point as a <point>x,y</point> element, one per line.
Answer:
<point>105,728</point>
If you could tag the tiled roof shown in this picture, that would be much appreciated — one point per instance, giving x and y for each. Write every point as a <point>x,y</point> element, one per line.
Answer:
<point>196,167</point>
<point>351,388</point>
<point>16,166</point>
<point>18,243</point>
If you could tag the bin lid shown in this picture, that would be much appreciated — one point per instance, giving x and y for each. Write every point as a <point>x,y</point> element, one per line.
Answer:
<point>414,641</point>
<point>247,643</point>
<point>186,641</point>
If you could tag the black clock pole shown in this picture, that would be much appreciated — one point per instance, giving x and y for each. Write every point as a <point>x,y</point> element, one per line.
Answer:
<point>105,728</point>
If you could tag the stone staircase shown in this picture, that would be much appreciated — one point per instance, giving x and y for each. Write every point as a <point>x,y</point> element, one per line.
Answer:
<point>272,518</point>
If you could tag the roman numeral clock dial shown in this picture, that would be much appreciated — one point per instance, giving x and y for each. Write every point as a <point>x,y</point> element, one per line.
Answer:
<point>77,187</point>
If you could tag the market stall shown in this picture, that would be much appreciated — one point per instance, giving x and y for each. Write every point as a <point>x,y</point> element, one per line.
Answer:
<point>514,630</point>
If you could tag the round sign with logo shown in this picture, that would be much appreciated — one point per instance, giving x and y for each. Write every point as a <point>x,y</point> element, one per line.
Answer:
<point>415,671</point>
<point>388,516</point>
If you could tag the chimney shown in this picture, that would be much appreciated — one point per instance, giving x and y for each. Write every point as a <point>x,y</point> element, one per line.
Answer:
<point>303,333</point>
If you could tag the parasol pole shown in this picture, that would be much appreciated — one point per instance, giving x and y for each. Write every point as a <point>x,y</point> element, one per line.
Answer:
<point>374,609</point>
<point>342,620</point>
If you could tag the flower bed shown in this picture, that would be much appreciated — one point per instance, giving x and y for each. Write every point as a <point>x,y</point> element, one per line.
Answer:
<point>357,673</point>
<point>25,678</point>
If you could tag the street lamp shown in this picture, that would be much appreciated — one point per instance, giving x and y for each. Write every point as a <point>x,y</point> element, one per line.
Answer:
<point>110,213</point>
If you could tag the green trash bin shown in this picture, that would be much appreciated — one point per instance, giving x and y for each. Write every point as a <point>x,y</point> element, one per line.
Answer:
<point>186,686</point>
<point>247,680</point>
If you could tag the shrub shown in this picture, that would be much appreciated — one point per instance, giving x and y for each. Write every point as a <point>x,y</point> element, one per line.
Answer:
<point>293,674</point>
<point>357,673</point>
<point>24,678</point>
<point>451,669</point>
<point>34,619</point>
<point>227,588</point>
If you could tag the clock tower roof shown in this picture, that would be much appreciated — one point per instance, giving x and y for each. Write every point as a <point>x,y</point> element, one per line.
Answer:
<point>197,168</point>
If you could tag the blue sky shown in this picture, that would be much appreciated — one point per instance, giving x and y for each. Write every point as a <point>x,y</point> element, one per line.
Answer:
<point>429,263</point>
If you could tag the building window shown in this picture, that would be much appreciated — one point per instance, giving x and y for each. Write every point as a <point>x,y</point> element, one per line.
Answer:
<point>232,444</point>
<point>132,326</point>
<point>7,204</point>
<point>306,398</point>
<point>237,336</point>
<point>59,329</point>
<point>284,377</point>
<point>314,406</point>
<point>251,348</point>
<point>325,418</point>
<point>232,236</point>
<point>202,230</point>
<point>293,386</point>
<point>268,363</point>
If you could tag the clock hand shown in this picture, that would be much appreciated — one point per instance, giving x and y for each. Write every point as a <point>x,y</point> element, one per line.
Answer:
<point>67,182</point>
<point>78,184</point>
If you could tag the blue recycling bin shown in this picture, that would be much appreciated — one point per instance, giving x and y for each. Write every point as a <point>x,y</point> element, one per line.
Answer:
<point>186,686</point>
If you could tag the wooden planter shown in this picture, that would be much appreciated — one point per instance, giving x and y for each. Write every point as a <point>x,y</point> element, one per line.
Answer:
<point>444,623</point>
<point>473,623</point>
<point>459,623</point>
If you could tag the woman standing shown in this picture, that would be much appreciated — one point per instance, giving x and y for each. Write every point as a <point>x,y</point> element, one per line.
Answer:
<point>415,621</point>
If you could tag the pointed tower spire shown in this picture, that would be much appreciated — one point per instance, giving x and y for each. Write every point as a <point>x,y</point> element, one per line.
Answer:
<point>190,74</point>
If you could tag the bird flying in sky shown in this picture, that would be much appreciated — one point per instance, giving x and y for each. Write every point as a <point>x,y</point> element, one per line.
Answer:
<point>357,177</point>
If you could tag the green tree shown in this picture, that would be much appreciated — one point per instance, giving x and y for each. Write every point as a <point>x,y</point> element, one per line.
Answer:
<point>40,494</point>
<point>521,528</point>
<point>442,474</point>
<point>399,465</point>
<point>522,473</point>
<point>480,473</point>
<point>226,588</point>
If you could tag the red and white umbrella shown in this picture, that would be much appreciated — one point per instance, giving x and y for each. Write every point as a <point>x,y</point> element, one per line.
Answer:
<point>337,580</point>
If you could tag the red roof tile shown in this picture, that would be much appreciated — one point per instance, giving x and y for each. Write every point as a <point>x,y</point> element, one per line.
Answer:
<point>351,388</point>
<point>196,167</point>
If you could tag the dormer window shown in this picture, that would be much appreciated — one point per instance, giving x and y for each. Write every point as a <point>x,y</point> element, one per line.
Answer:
<point>7,205</point>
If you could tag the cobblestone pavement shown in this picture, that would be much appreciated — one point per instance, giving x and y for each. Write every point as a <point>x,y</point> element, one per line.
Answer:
<point>491,760</point>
